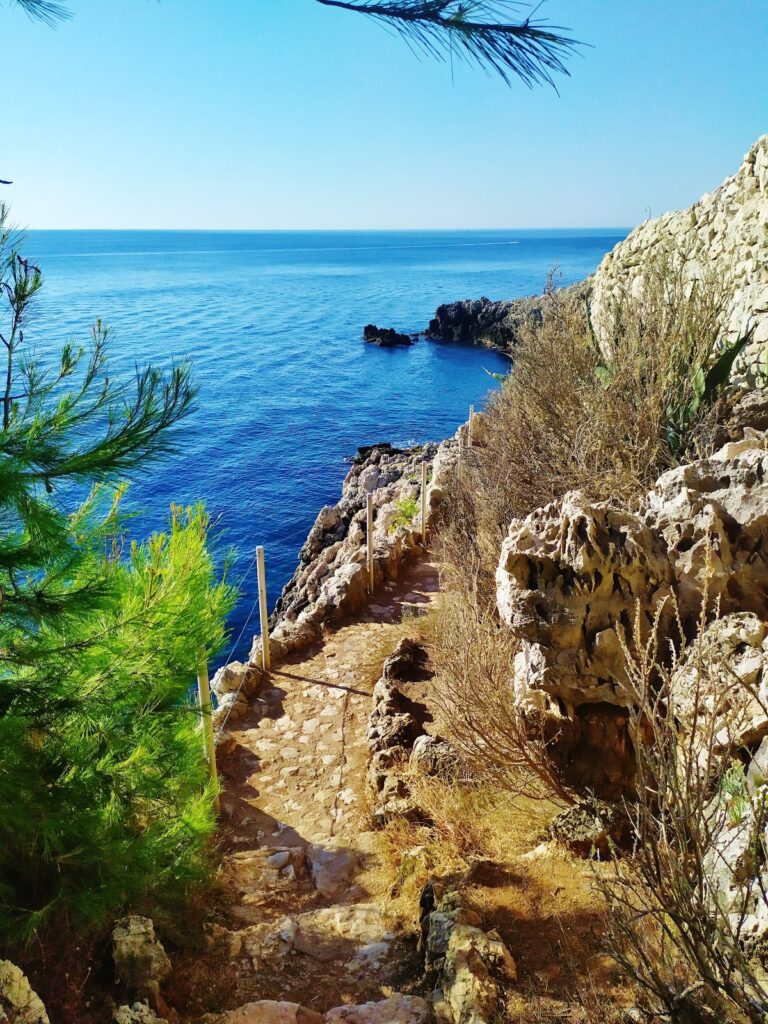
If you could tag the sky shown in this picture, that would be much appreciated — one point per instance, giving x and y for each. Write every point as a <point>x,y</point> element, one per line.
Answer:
<point>284,114</point>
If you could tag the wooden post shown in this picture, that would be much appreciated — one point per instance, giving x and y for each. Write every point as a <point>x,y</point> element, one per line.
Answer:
<point>470,425</point>
<point>423,503</point>
<point>369,515</point>
<point>204,693</point>
<point>263,617</point>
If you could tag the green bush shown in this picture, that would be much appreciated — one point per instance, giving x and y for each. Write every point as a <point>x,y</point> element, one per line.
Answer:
<point>104,799</point>
<point>407,510</point>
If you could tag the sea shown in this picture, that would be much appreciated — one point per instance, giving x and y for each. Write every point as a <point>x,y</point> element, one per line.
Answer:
<point>271,322</point>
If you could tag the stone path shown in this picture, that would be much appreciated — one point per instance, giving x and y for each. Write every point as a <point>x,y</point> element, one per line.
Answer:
<point>295,921</point>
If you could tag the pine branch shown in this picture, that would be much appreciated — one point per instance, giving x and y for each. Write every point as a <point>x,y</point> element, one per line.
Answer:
<point>43,10</point>
<point>486,33</point>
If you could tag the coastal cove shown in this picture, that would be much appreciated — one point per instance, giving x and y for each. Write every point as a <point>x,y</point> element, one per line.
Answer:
<point>272,322</point>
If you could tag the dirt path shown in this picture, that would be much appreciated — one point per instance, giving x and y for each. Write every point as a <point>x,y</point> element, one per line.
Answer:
<point>295,920</point>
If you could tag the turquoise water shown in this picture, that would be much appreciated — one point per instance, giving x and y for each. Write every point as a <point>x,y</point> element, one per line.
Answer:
<point>272,323</point>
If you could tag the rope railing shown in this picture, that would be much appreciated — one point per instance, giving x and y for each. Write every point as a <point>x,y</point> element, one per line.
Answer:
<point>211,738</point>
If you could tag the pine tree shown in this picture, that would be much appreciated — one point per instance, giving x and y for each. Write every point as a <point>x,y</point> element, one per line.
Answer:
<point>103,793</point>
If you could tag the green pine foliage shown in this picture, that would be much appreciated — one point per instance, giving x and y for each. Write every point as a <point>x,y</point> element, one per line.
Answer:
<point>104,798</point>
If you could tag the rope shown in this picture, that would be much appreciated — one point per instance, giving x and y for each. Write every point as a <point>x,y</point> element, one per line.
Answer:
<point>242,681</point>
<point>234,647</point>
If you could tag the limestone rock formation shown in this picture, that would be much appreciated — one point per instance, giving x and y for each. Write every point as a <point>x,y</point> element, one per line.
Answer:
<point>721,686</point>
<point>331,580</point>
<point>19,1004</point>
<point>266,1011</point>
<point>141,963</point>
<point>397,1009</point>
<point>726,231</point>
<point>138,1013</point>
<point>466,965</point>
<point>575,574</point>
<point>496,324</point>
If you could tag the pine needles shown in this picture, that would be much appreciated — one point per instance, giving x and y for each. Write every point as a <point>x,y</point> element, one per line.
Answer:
<point>43,10</point>
<point>487,33</point>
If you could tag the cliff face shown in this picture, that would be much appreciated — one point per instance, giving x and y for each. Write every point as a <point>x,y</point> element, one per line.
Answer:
<point>726,231</point>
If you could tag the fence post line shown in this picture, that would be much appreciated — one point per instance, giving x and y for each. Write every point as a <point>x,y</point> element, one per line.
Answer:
<point>369,538</point>
<point>470,425</point>
<point>423,503</point>
<point>204,694</point>
<point>263,616</point>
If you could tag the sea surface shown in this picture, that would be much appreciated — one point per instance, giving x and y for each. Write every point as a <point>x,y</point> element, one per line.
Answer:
<point>272,322</point>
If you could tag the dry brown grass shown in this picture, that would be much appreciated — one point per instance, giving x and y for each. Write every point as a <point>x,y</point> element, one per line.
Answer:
<point>541,900</point>
<point>573,417</point>
<point>501,745</point>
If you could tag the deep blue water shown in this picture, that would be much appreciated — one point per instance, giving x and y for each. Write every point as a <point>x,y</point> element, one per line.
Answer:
<point>272,323</point>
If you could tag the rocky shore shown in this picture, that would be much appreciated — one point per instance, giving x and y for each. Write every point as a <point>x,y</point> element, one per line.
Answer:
<point>331,579</point>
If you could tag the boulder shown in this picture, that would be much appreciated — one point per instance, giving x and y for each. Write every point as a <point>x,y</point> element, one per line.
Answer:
<point>353,930</point>
<point>435,756</point>
<point>19,1003</point>
<point>139,1013</point>
<point>407,663</point>
<point>266,1011</point>
<point>332,869</point>
<point>141,963</point>
<point>397,1009</point>
<point>591,828</point>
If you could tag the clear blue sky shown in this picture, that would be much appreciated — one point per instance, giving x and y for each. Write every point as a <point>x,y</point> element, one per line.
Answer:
<point>286,114</point>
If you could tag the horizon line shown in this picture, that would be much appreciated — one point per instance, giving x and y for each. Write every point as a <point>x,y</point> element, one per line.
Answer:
<point>559,227</point>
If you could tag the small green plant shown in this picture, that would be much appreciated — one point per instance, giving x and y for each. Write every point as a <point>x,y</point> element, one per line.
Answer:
<point>706,382</point>
<point>733,787</point>
<point>407,508</point>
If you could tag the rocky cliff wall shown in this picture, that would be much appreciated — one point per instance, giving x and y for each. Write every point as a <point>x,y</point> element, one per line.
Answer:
<point>726,231</point>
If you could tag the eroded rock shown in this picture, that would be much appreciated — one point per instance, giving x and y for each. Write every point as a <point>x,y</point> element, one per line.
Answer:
<point>19,1003</point>
<point>592,828</point>
<point>397,1009</point>
<point>475,963</point>
<point>141,963</point>
<point>575,575</point>
<point>266,1011</point>
<point>138,1013</point>
<point>343,931</point>
<point>331,581</point>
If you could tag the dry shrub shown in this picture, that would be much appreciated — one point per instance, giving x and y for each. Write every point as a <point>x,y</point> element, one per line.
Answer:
<point>574,416</point>
<point>684,906</point>
<point>501,745</point>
